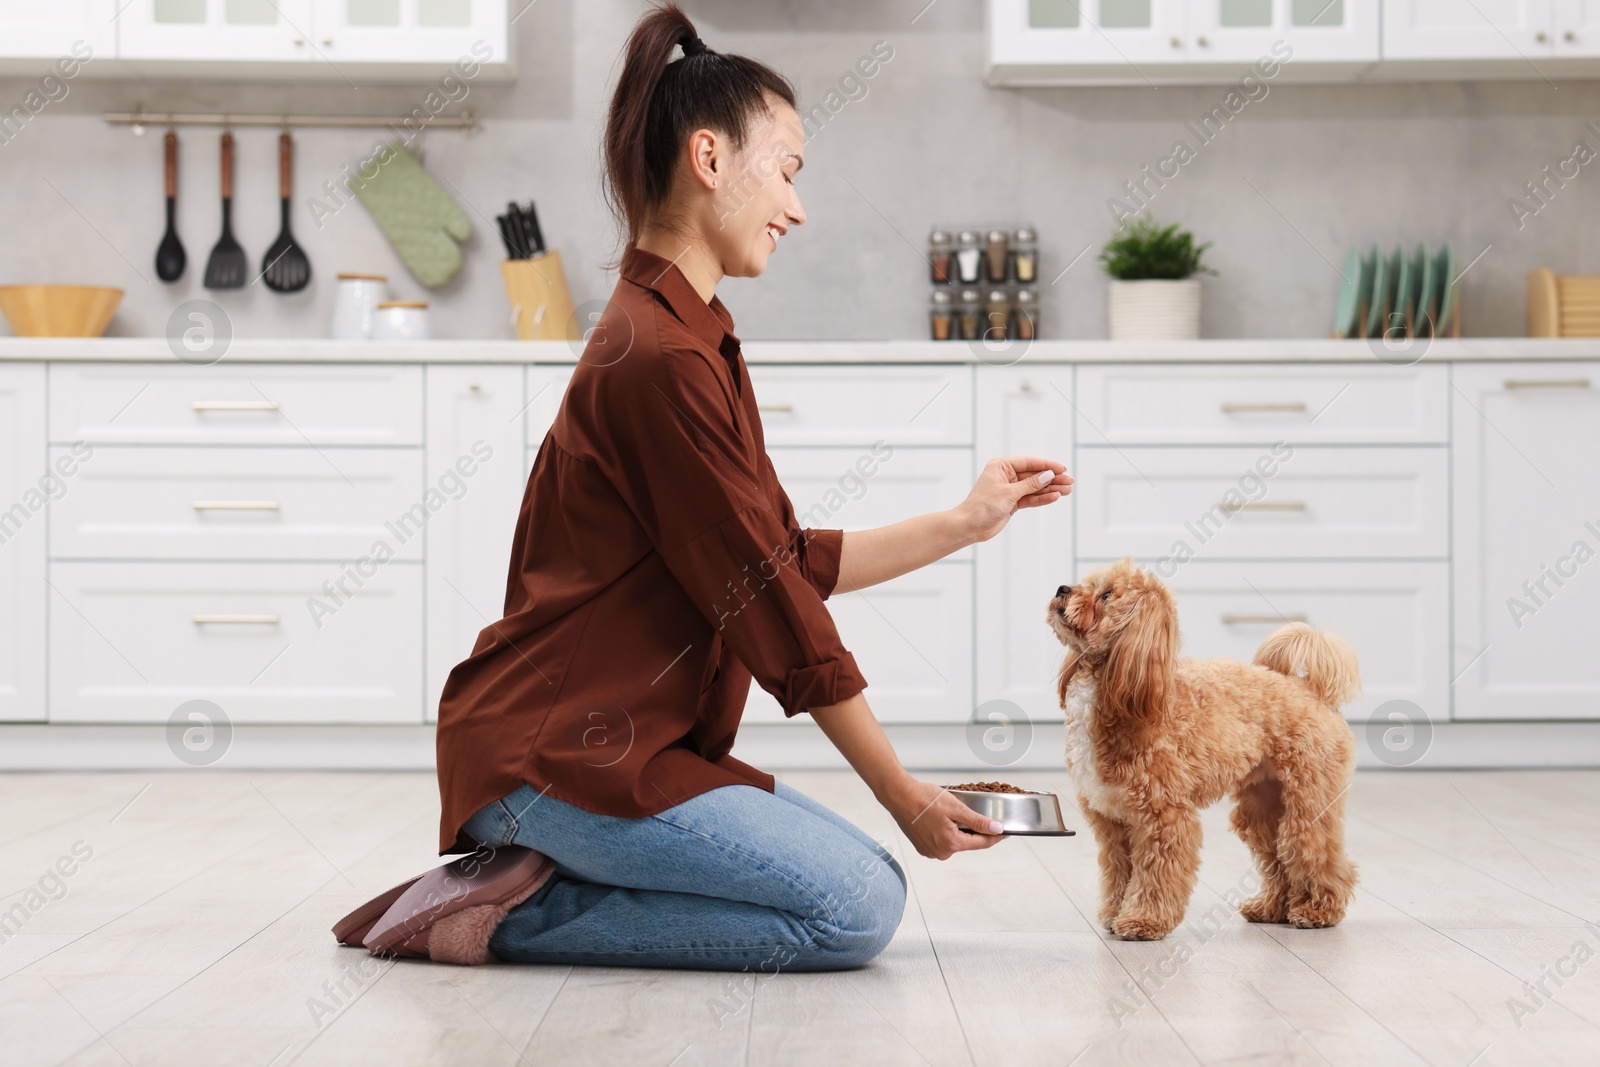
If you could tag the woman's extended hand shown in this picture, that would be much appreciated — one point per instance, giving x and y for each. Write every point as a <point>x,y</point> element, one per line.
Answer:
<point>933,819</point>
<point>1008,484</point>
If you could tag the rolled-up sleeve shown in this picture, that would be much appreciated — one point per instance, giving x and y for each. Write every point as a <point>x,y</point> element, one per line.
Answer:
<point>694,481</point>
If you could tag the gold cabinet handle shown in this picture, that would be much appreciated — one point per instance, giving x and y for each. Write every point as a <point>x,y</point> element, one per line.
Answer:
<point>1247,620</point>
<point>236,505</point>
<point>774,407</point>
<point>235,405</point>
<point>1266,505</point>
<point>1547,383</point>
<point>236,620</point>
<point>1232,408</point>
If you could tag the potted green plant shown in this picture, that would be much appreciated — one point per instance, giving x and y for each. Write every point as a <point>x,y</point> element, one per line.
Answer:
<point>1155,283</point>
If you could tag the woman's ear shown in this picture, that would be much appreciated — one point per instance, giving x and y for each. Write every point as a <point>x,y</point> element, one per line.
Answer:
<point>1137,678</point>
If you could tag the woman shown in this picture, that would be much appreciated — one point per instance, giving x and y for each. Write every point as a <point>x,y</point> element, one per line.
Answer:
<point>657,567</point>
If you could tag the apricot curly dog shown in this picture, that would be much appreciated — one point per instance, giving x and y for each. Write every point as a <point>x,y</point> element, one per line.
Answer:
<point>1152,739</point>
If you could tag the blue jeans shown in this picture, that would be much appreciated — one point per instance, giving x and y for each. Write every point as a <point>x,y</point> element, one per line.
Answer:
<point>736,878</point>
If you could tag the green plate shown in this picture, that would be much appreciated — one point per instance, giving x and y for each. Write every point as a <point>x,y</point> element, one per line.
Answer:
<point>1427,293</point>
<point>1405,293</point>
<point>1349,304</point>
<point>1445,265</point>
<point>1381,288</point>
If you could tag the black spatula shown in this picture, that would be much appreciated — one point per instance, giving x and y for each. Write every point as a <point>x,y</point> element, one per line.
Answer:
<point>227,266</point>
<point>170,257</point>
<point>285,267</point>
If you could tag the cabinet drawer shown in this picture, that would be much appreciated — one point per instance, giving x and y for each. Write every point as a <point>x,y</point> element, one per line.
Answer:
<point>143,638</point>
<point>242,503</point>
<point>903,405</point>
<point>1214,503</point>
<point>244,404</point>
<point>912,638</point>
<point>1394,614</point>
<point>1219,405</point>
<point>861,488</point>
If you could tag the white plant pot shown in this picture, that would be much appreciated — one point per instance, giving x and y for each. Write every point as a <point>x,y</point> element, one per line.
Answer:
<point>1155,309</point>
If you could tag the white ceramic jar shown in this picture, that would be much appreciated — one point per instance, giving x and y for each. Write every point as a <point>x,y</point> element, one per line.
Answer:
<point>1154,309</point>
<point>401,320</point>
<point>354,302</point>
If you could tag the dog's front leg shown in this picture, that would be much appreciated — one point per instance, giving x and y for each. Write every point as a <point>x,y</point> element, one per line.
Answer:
<point>1166,860</point>
<point>1116,862</point>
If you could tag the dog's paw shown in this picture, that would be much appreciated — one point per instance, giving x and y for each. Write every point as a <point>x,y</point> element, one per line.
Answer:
<point>1308,915</point>
<point>1262,908</point>
<point>1139,928</point>
<point>1108,917</point>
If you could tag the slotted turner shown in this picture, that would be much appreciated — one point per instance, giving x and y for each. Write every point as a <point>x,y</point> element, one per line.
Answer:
<point>227,266</point>
<point>285,267</point>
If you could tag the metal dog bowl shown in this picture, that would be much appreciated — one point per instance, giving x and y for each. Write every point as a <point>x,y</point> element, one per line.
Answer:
<point>1019,814</point>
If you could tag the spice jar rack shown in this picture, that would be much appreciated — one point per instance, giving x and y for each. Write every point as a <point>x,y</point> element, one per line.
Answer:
<point>984,282</point>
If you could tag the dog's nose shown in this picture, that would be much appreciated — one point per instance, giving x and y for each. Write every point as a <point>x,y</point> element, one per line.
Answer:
<point>1064,590</point>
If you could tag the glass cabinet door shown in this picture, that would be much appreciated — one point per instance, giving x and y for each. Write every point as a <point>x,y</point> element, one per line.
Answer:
<point>1118,35</point>
<point>1242,31</point>
<point>376,31</point>
<point>215,30</point>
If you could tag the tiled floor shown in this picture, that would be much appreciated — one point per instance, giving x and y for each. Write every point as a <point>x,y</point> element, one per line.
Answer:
<point>193,929</point>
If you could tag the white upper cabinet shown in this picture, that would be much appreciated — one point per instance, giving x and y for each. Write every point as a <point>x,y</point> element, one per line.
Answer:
<point>329,40</point>
<point>1467,29</point>
<point>34,29</point>
<point>1134,42</point>
<point>1291,31</point>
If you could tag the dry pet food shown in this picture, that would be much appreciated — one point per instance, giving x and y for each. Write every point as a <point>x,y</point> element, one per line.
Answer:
<point>988,787</point>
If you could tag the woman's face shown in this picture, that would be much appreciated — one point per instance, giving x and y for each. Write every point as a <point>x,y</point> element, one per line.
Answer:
<point>755,203</point>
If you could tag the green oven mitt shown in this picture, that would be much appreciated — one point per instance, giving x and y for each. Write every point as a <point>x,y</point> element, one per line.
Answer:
<point>423,225</point>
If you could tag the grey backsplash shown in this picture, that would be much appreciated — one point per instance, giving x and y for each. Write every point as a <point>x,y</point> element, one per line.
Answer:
<point>1295,178</point>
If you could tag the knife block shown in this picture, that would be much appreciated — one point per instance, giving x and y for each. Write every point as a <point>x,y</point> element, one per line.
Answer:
<point>1563,305</point>
<point>541,305</point>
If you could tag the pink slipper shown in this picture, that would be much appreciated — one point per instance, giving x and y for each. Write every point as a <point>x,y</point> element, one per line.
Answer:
<point>449,913</point>
<point>352,929</point>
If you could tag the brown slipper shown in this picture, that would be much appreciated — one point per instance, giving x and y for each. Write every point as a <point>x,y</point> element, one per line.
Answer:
<point>352,929</point>
<point>449,913</point>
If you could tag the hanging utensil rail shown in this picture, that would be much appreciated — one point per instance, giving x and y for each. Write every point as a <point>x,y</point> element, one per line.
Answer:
<point>465,121</point>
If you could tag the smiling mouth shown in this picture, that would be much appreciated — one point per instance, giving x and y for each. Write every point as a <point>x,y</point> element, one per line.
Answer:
<point>774,233</point>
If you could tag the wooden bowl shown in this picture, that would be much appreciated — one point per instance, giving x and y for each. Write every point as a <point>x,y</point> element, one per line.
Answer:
<point>58,310</point>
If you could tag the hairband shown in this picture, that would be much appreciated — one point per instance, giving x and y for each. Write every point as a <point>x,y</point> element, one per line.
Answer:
<point>693,46</point>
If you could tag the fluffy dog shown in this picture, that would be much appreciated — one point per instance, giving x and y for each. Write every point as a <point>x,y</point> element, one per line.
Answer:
<point>1152,739</point>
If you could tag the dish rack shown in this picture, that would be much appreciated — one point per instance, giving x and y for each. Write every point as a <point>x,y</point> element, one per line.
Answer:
<point>1563,305</point>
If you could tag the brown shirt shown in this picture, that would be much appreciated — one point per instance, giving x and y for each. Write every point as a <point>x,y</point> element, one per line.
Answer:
<point>657,567</point>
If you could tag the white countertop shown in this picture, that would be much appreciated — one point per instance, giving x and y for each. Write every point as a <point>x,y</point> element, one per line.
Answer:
<point>1478,349</point>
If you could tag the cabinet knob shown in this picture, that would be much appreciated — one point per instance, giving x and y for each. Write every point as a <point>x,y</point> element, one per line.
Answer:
<point>1025,386</point>
<point>1202,42</point>
<point>1177,42</point>
<point>299,41</point>
<point>1540,37</point>
<point>327,40</point>
<point>1569,36</point>
<point>475,385</point>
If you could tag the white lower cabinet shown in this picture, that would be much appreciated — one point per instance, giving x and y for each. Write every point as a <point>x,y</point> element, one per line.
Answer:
<point>862,488</point>
<point>912,638</point>
<point>1023,411</point>
<point>265,642</point>
<point>26,489</point>
<point>475,462</point>
<point>1527,541</point>
<point>1395,615</point>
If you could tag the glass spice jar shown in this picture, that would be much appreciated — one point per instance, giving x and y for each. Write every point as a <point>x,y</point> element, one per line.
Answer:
<point>940,251</point>
<point>1025,255</point>
<point>1025,323</point>
<point>997,316</point>
<point>969,257</point>
<point>996,255</point>
<point>970,314</point>
<point>941,314</point>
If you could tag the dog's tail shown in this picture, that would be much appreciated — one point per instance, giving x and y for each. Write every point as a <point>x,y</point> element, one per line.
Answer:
<point>1324,661</point>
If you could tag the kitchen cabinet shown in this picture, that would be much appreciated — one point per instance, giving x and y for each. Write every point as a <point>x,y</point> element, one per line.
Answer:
<point>27,487</point>
<point>31,30</point>
<point>1527,534</point>
<point>1466,29</point>
<point>1023,411</point>
<point>1141,42</point>
<point>475,460</point>
<point>217,30</point>
<point>418,31</point>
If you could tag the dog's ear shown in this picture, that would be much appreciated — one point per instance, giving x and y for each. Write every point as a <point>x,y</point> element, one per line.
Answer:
<point>1069,667</point>
<point>1138,675</point>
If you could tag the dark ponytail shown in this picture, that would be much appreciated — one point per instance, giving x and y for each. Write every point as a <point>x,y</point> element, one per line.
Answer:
<point>660,100</point>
